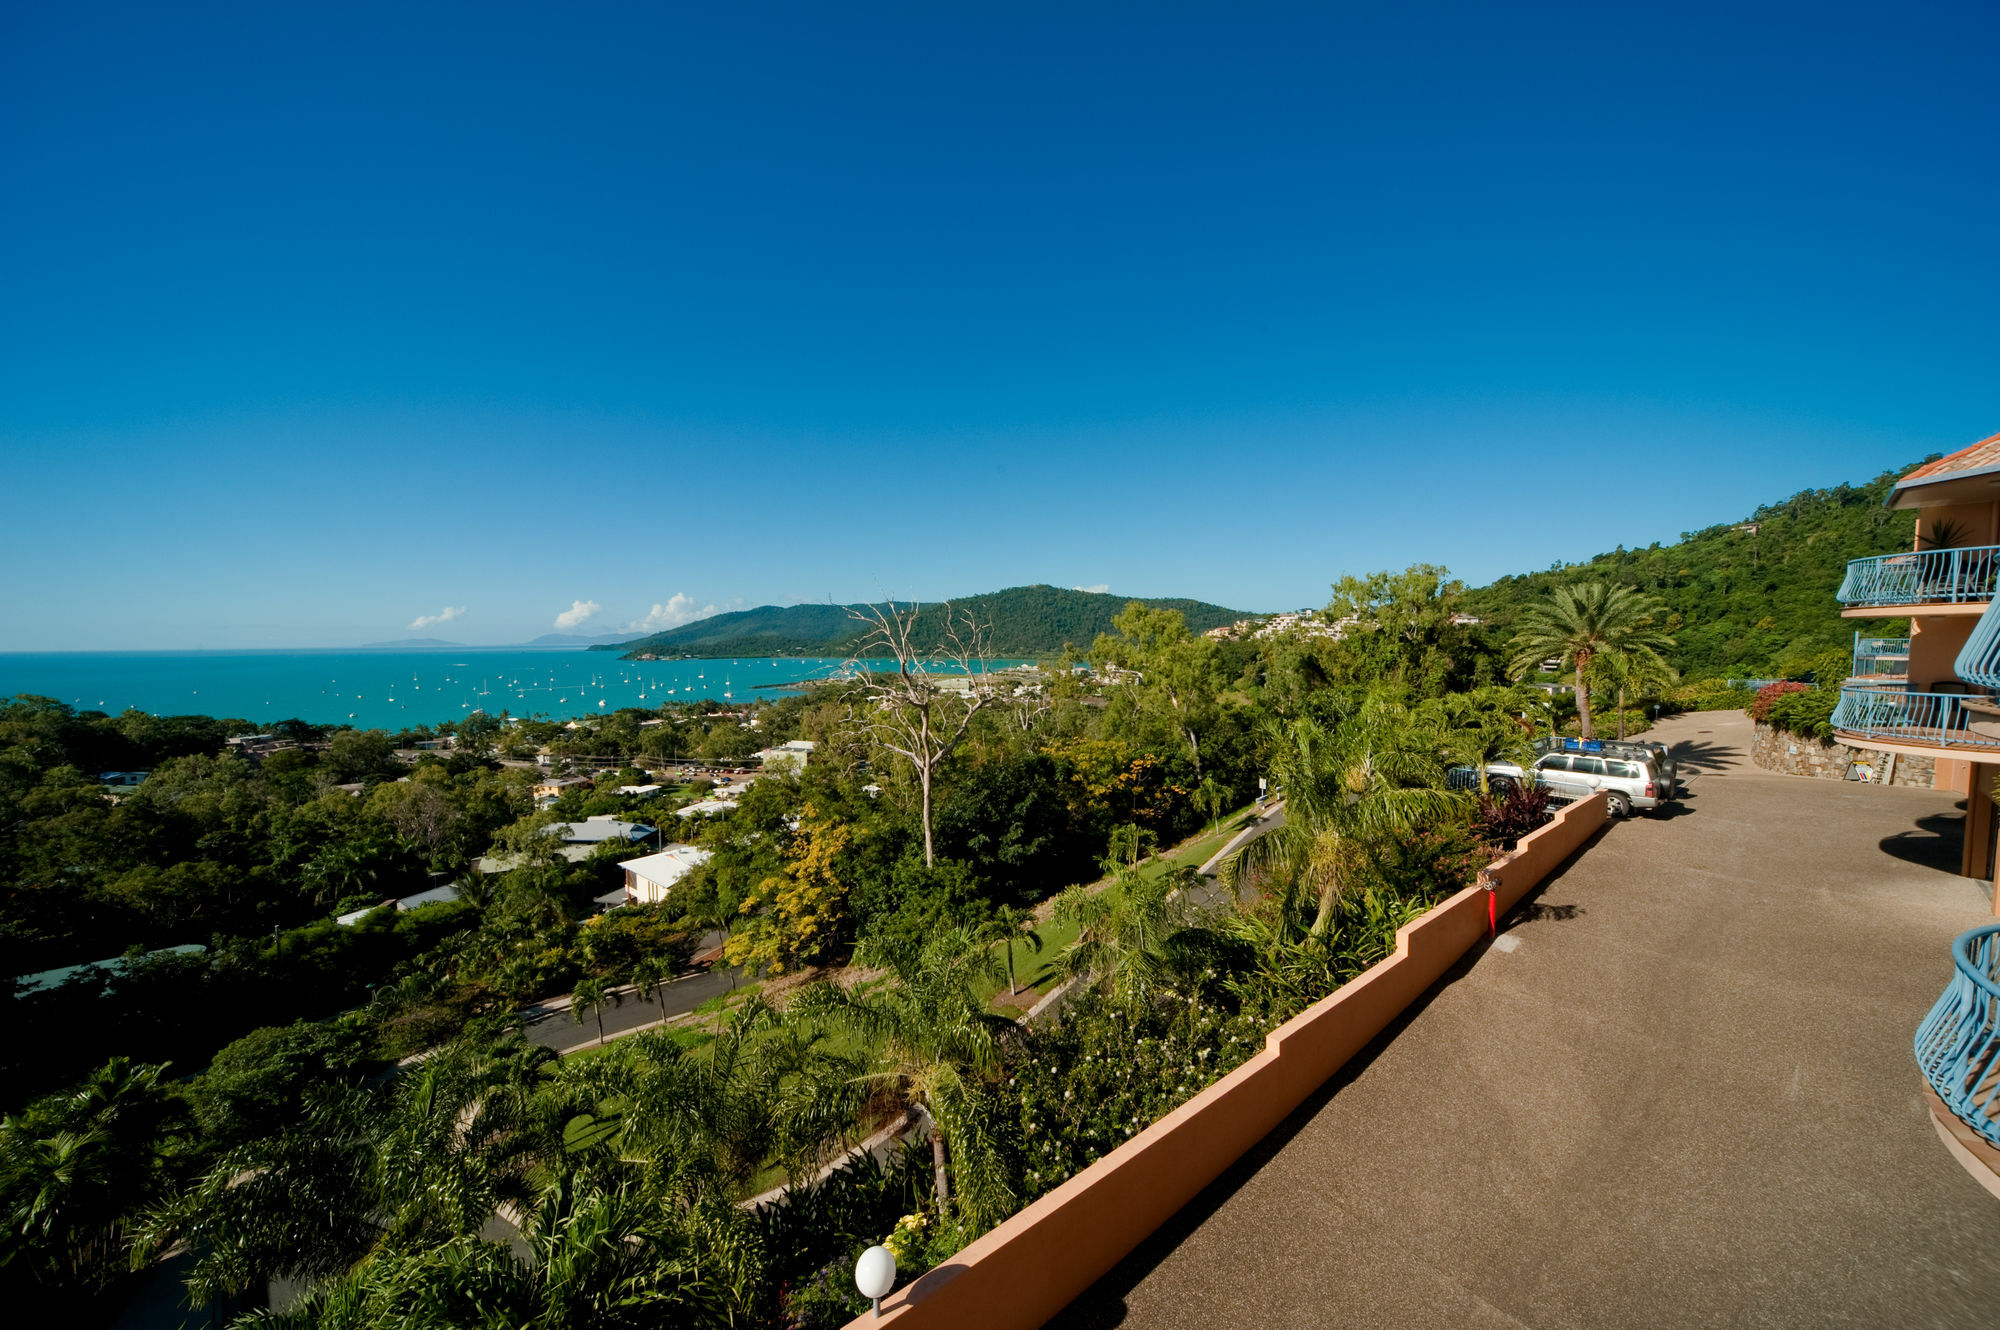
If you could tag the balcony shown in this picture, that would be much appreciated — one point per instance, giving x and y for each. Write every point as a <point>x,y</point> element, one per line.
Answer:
<point>1881,659</point>
<point>1958,1045</point>
<point>1927,720</point>
<point>1926,577</point>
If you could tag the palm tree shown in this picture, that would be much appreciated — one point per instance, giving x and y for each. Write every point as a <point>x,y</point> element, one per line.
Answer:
<point>1379,773</point>
<point>1209,796</point>
<point>650,975</point>
<point>1634,673</point>
<point>592,994</point>
<point>78,1166</point>
<point>1128,844</point>
<point>933,1037</point>
<point>1123,930</point>
<point>1006,926</point>
<point>1481,744</point>
<point>1577,625</point>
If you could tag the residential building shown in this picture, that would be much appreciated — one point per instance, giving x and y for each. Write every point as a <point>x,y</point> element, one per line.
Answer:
<point>434,896</point>
<point>791,755</point>
<point>597,830</point>
<point>1936,693</point>
<point>553,787</point>
<point>650,879</point>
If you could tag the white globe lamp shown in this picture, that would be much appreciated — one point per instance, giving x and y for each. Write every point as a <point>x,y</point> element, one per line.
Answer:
<point>875,1275</point>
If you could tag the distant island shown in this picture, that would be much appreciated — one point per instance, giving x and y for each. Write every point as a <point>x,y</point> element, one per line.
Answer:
<point>1030,621</point>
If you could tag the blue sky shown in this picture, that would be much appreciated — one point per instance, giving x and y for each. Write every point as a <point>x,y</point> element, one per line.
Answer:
<point>314,322</point>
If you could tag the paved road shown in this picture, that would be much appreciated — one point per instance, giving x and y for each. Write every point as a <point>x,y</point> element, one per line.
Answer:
<point>550,1023</point>
<point>1212,895</point>
<point>1678,1092</point>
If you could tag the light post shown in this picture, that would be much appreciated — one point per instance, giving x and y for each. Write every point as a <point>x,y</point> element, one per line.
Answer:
<point>875,1275</point>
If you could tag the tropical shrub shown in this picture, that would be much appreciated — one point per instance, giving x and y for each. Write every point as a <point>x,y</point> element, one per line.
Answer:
<point>1807,713</point>
<point>1502,820</point>
<point>1093,1079</point>
<point>1768,695</point>
<point>1707,695</point>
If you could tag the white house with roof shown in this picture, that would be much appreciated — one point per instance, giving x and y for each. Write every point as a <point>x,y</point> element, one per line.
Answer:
<point>649,880</point>
<point>434,896</point>
<point>791,755</point>
<point>596,830</point>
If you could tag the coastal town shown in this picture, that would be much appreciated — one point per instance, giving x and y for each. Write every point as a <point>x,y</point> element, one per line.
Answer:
<point>999,668</point>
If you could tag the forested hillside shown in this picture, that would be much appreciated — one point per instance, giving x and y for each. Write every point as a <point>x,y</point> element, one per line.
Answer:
<point>1744,596</point>
<point>1030,621</point>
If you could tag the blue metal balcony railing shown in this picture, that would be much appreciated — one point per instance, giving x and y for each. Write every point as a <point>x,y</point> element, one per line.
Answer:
<point>1958,1046</point>
<point>1978,660</point>
<point>1881,657</point>
<point>1924,577</point>
<point>1889,712</point>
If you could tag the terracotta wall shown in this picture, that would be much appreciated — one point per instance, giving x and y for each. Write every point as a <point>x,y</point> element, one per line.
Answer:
<point>1026,1270</point>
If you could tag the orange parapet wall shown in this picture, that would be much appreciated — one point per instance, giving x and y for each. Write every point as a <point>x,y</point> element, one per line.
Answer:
<point>1030,1267</point>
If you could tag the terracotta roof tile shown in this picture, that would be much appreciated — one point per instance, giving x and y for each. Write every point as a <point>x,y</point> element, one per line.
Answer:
<point>1981,456</point>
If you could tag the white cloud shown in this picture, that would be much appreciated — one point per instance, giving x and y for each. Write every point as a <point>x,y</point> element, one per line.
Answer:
<point>1100,588</point>
<point>677,610</point>
<point>445,615</point>
<point>578,611</point>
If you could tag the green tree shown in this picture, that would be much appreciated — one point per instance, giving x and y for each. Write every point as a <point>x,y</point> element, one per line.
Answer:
<point>1378,773</point>
<point>1007,926</point>
<point>1402,628</point>
<point>933,1038</point>
<point>78,1170</point>
<point>1123,932</point>
<point>591,995</point>
<point>1578,625</point>
<point>1167,671</point>
<point>1620,673</point>
<point>1211,796</point>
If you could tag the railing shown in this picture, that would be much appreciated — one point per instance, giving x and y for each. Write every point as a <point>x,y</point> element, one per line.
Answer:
<point>1924,577</point>
<point>1978,660</point>
<point>1881,657</point>
<point>1892,713</point>
<point>1958,1046</point>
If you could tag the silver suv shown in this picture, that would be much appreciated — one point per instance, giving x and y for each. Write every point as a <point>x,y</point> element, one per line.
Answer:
<point>1630,782</point>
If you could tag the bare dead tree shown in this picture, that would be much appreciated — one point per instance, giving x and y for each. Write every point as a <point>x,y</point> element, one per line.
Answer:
<point>911,712</point>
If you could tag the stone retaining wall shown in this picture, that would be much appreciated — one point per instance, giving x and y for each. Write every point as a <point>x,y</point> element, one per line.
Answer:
<point>1776,750</point>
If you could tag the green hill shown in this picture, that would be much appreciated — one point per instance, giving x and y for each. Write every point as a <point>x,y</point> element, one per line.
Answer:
<point>1028,622</point>
<point>1744,595</point>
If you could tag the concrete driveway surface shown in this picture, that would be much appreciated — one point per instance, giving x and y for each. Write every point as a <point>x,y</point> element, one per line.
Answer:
<point>1678,1092</point>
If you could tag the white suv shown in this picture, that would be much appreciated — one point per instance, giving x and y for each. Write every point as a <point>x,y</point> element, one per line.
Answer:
<point>1630,783</point>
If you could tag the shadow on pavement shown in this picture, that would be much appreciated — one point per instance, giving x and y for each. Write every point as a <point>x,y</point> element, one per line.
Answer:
<point>1937,841</point>
<point>1705,757</point>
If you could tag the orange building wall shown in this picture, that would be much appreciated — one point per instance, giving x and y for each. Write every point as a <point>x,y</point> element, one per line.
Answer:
<point>1935,641</point>
<point>1978,523</point>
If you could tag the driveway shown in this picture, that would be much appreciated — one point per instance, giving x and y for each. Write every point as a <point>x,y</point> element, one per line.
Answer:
<point>1679,1090</point>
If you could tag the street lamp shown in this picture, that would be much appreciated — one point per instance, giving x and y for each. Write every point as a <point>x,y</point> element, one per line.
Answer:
<point>875,1275</point>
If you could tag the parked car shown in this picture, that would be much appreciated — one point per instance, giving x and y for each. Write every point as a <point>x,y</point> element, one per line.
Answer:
<point>1664,762</point>
<point>1631,782</point>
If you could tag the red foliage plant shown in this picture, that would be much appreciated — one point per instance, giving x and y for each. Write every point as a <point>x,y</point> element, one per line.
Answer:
<point>1501,820</point>
<point>1768,695</point>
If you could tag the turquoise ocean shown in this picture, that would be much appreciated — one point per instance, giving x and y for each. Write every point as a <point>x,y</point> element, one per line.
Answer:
<point>390,689</point>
